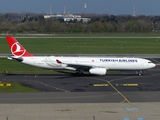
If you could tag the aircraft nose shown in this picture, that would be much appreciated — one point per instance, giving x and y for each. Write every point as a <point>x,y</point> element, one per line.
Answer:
<point>153,65</point>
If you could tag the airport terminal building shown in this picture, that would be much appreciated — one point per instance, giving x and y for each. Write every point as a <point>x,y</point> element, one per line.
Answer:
<point>68,17</point>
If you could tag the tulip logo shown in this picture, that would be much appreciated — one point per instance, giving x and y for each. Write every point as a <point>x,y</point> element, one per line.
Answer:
<point>17,50</point>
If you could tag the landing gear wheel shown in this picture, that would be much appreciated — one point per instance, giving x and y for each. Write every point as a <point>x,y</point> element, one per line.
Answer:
<point>139,73</point>
<point>79,74</point>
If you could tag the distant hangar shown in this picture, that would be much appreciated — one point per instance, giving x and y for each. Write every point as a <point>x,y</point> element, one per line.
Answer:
<point>68,17</point>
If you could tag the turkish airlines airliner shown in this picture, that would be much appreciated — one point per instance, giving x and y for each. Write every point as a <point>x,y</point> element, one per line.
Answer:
<point>94,65</point>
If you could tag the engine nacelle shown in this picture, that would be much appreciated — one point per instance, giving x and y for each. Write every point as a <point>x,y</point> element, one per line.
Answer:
<point>98,71</point>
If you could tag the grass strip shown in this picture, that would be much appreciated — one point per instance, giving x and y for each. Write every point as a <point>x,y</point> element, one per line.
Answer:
<point>86,45</point>
<point>16,87</point>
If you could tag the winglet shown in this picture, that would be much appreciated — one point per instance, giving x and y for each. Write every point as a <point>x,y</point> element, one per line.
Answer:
<point>58,61</point>
<point>16,48</point>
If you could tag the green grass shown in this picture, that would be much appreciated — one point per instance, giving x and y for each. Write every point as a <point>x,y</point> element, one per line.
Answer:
<point>78,46</point>
<point>91,35</point>
<point>16,87</point>
<point>73,46</point>
<point>86,45</point>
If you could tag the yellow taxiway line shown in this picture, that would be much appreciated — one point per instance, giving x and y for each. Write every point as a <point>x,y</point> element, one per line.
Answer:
<point>125,99</point>
<point>124,85</point>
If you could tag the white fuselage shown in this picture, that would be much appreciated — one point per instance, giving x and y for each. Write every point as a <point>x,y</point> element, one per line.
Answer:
<point>93,62</point>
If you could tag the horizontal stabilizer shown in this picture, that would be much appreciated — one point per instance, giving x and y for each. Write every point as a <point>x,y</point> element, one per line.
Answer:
<point>14,58</point>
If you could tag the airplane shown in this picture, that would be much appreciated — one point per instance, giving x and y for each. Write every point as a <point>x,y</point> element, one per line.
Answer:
<point>94,65</point>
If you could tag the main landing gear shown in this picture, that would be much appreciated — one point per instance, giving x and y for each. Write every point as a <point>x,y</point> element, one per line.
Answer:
<point>139,73</point>
<point>80,72</point>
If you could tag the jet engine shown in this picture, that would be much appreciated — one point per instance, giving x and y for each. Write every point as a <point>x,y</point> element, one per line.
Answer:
<point>98,71</point>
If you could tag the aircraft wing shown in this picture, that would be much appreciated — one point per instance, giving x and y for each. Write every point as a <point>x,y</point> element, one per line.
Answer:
<point>92,68</point>
<point>80,65</point>
<point>77,66</point>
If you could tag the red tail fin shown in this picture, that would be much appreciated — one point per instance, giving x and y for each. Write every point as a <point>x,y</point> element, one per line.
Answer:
<point>16,48</point>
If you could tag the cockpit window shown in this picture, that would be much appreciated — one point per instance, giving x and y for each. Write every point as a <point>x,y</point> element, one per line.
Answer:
<point>149,62</point>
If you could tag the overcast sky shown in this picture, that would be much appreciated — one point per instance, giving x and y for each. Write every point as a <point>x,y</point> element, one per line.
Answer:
<point>114,7</point>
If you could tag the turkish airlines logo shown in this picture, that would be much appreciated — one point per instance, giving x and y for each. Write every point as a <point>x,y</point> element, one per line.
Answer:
<point>17,50</point>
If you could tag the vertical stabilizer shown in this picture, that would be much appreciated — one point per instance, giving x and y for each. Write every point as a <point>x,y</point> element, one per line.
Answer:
<point>16,48</point>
